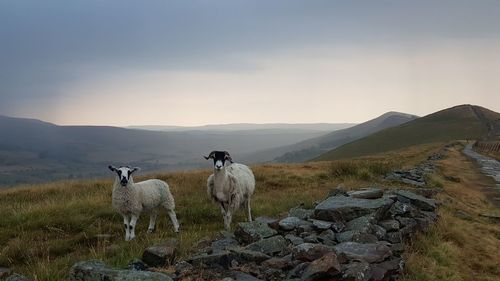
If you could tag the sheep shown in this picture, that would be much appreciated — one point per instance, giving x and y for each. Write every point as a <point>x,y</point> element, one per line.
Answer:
<point>131,199</point>
<point>231,185</point>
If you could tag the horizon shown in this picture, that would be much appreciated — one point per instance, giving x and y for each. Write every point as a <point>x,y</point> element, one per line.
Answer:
<point>181,63</point>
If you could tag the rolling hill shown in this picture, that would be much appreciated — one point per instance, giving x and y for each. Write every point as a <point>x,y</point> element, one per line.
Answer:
<point>36,151</point>
<point>314,147</point>
<point>459,122</point>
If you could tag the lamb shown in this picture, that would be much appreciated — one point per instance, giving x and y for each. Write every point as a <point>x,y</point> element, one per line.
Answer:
<point>231,185</point>
<point>131,199</point>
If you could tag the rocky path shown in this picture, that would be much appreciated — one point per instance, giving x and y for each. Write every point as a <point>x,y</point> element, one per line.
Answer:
<point>489,166</point>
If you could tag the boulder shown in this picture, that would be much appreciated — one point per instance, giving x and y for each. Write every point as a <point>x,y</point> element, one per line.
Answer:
<point>162,254</point>
<point>279,263</point>
<point>290,223</point>
<point>419,201</point>
<point>295,240</point>
<point>389,225</point>
<point>356,271</point>
<point>94,270</point>
<point>342,208</point>
<point>301,213</point>
<point>324,268</point>
<point>321,225</point>
<point>249,232</point>
<point>369,193</point>
<point>270,245</point>
<point>374,252</point>
<point>310,251</point>
<point>224,244</point>
<point>137,264</point>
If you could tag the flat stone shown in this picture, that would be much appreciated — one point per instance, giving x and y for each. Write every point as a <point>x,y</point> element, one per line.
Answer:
<point>310,251</point>
<point>269,246</point>
<point>385,270</point>
<point>345,236</point>
<point>491,216</point>
<point>295,240</point>
<point>370,253</point>
<point>311,238</point>
<point>161,255</point>
<point>290,223</point>
<point>94,270</point>
<point>297,271</point>
<point>394,237</point>
<point>389,225</point>
<point>271,222</point>
<point>341,208</point>
<point>327,237</point>
<point>362,224</point>
<point>249,232</point>
<point>378,231</point>
<point>369,193</point>
<point>419,201</point>
<point>322,225</point>
<point>338,226</point>
<point>364,238</point>
<point>279,263</point>
<point>323,268</point>
<point>224,244</point>
<point>356,271</point>
<point>301,213</point>
<point>219,259</point>
<point>244,255</point>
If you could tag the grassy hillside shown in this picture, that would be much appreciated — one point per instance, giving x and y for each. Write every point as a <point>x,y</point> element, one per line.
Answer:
<point>44,229</point>
<point>460,122</point>
<point>307,149</point>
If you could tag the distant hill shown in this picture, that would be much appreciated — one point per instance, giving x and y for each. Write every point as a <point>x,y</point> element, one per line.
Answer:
<point>250,126</point>
<point>459,122</point>
<point>36,151</point>
<point>314,147</point>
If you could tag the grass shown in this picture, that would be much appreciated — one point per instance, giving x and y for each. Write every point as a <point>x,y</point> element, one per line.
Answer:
<point>44,229</point>
<point>459,247</point>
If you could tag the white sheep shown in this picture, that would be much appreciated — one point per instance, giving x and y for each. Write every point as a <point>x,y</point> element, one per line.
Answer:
<point>131,199</point>
<point>231,185</point>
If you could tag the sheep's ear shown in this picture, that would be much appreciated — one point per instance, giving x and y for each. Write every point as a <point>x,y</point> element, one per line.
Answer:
<point>112,168</point>
<point>135,169</point>
<point>228,157</point>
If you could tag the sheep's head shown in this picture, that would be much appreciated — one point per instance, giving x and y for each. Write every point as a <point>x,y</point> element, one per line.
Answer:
<point>220,158</point>
<point>123,173</point>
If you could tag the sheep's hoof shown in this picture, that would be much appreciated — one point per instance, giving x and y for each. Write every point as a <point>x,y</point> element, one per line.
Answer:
<point>151,230</point>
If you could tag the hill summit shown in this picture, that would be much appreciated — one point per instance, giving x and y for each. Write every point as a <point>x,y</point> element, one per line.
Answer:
<point>458,122</point>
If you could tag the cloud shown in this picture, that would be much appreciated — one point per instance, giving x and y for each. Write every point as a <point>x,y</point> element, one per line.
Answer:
<point>58,54</point>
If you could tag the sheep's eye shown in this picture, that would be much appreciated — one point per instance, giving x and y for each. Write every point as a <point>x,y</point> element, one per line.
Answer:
<point>119,172</point>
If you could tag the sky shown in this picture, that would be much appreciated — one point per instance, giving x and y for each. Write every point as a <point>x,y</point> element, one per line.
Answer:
<point>120,62</point>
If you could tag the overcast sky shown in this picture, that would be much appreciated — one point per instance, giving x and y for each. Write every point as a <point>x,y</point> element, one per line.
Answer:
<point>204,62</point>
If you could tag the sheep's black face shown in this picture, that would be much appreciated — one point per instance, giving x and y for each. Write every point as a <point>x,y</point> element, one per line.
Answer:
<point>123,173</point>
<point>220,158</point>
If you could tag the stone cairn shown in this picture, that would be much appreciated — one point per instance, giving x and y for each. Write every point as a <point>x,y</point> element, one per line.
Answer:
<point>358,235</point>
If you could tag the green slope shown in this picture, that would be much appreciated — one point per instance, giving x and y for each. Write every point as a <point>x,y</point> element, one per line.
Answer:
<point>459,122</point>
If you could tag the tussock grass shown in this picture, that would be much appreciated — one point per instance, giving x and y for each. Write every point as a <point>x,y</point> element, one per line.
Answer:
<point>458,248</point>
<point>44,229</point>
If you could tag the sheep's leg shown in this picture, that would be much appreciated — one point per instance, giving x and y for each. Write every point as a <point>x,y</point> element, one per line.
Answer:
<point>126,222</point>
<point>152,221</point>
<point>173,218</point>
<point>249,210</point>
<point>227,220</point>
<point>133,222</point>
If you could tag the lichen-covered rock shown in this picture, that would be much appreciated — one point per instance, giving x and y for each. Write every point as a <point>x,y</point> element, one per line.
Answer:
<point>374,252</point>
<point>419,201</point>
<point>97,271</point>
<point>301,213</point>
<point>279,263</point>
<point>290,223</point>
<point>270,245</point>
<point>249,232</point>
<point>324,268</point>
<point>310,251</point>
<point>341,208</point>
<point>161,255</point>
<point>389,225</point>
<point>224,244</point>
<point>294,239</point>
